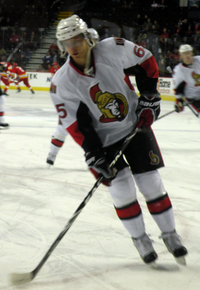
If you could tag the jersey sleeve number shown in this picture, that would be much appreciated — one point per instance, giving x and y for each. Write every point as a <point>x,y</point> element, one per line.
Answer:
<point>139,51</point>
<point>60,108</point>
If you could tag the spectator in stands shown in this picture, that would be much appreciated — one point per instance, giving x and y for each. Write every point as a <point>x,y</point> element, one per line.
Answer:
<point>139,20</point>
<point>189,32</point>
<point>144,22</point>
<point>26,55</point>
<point>156,25</point>
<point>53,48</point>
<point>148,25</point>
<point>185,26</point>
<point>154,6</point>
<point>54,68</point>
<point>142,38</point>
<point>179,31</point>
<point>165,34</point>
<point>49,66</point>
<point>47,59</point>
<point>163,39</point>
<point>55,56</point>
<point>41,69</point>
<point>154,30</point>
<point>14,40</point>
<point>33,41</point>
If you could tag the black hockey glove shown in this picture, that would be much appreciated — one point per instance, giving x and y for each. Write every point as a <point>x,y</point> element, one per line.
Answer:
<point>179,105</point>
<point>97,160</point>
<point>148,109</point>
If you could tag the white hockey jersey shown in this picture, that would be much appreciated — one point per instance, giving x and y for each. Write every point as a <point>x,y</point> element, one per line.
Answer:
<point>190,75</point>
<point>107,91</point>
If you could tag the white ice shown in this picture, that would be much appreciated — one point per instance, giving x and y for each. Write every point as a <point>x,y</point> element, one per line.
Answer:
<point>97,252</point>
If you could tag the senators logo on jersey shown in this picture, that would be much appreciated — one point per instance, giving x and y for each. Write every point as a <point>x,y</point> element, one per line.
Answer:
<point>114,107</point>
<point>154,158</point>
<point>196,78</point>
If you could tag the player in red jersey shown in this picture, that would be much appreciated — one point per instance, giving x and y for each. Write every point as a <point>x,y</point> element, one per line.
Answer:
<point>22,77</point>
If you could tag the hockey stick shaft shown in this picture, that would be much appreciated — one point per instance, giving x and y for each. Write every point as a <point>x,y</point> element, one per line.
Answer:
<point>185,105</point>
<point>166,115</point>
<point>27,277</point>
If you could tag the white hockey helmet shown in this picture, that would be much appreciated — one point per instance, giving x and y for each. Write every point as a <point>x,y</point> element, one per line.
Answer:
<point>70,27</point>
<point>185,47</point>
<point>93,34</point>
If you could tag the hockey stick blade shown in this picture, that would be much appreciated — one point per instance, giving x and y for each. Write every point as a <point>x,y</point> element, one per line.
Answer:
<point>21,278</point>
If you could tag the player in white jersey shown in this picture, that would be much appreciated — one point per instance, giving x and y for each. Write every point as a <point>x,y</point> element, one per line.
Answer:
<point>60,133</point>
<point>97,105</point>
<point>3,125</point>
<point>186,78</point>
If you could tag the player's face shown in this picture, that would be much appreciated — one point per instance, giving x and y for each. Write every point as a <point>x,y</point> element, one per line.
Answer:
<point>77,48</point>
<point>187,57</point>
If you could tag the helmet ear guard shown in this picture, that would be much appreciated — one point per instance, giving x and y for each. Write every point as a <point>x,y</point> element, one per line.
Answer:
<point>62,49</point>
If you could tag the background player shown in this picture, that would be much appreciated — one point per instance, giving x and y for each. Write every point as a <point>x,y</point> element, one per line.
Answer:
<point>60,133</point>
<point>186,78</point>
<point>97,105</point>
<point>21,77</point>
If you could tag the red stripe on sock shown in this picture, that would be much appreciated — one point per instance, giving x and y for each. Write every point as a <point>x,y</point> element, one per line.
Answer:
<point>160,205</point>
<point>130,211</point>
<point>1,114</point>
<point>57,142</point>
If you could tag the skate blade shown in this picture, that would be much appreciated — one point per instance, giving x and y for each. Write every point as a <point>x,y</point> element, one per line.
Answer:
<point>49,166</point>
<point>181,261</point>
<point>152,265</point>
<point>4,128</point>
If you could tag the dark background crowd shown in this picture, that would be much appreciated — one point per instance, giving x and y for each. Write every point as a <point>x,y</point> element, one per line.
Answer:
<point>160,26</point>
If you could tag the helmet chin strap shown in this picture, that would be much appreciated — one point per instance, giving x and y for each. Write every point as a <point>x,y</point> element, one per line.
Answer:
<point>91,44</point>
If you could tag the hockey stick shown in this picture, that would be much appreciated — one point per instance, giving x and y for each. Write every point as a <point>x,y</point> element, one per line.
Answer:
<point>166,115</point>
<point>22,278</point>
<point>184,105</point>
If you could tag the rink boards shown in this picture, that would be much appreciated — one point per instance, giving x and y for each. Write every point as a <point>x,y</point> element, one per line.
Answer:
<point>41,82</point>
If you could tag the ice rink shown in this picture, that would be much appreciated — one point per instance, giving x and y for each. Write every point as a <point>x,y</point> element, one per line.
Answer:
<point>97,252</point>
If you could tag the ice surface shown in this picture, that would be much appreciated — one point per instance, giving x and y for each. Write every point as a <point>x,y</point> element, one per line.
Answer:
<point>97,252</point>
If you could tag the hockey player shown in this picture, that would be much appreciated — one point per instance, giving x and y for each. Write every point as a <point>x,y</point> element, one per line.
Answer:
<point>3,125</point>
<point>98,106</point>
<point>22,77</point>
<point>60,133</point>
<point>186,78</point>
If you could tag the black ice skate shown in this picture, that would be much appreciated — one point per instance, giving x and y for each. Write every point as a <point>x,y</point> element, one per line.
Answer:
<point>50,159</point>
<point>145,249</point>
<point>5,94</point>
<point>173,243</point>
<point>4,126</point>
<point>18,90</point>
